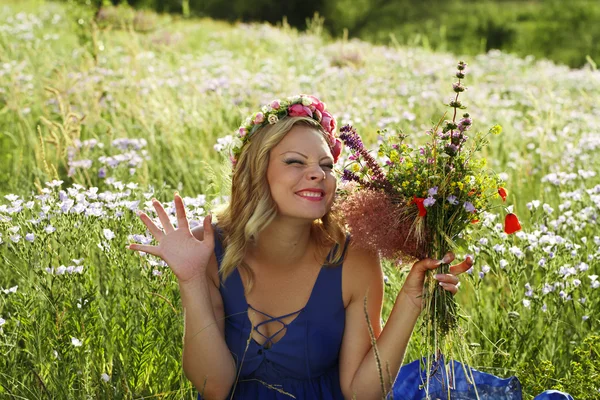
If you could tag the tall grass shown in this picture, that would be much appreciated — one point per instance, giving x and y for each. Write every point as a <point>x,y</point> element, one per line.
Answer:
<point>77,98</point>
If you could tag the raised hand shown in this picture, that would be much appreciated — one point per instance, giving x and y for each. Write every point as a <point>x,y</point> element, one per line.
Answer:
<point>184,254</point>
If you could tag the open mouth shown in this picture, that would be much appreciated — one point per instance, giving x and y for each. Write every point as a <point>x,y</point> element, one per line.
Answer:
<point>311,195</point>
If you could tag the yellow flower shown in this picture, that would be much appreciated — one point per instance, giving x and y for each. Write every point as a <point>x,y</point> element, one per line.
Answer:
<point>405,184</point>
<point>460,185</point>
<point>355,167</point>
<point>496,129</point>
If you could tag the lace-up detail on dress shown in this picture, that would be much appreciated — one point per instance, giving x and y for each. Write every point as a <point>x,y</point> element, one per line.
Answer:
<point>269,339</point>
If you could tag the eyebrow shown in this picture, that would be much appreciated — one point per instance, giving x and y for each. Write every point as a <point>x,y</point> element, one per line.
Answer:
<point>303,155</point>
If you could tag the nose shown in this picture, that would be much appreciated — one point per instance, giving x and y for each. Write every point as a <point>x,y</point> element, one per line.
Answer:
<point>316,174</point>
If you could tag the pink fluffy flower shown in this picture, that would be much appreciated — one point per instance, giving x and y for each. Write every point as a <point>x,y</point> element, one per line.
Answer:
<point>379,225</point>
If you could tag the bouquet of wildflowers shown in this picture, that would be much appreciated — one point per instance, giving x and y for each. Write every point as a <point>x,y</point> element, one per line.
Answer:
<point>417,202</point>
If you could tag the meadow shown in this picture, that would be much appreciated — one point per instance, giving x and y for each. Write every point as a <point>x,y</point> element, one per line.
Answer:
<point>95,120</point>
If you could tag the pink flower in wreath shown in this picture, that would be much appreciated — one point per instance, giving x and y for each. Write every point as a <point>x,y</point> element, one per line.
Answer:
<point>328,122</point>
<point>336,150</point>
<point>260,117</point>
<point>298,110</point>
<point>275,105</point>
<point>318,115</point>
<point>317,103</point>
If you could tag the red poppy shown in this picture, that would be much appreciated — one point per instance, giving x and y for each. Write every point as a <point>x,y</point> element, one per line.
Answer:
<point>474,221</point>
<point>502,193</point>
<point>511,223</point>
<point>419,202</point>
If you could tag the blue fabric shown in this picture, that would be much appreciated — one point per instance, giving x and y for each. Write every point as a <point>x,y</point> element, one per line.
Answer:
<point>553,395</point>
<point>304,362</point>
<point>411,380</point>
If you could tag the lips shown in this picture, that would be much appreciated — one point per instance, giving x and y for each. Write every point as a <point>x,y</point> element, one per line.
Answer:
<point>311,193</point>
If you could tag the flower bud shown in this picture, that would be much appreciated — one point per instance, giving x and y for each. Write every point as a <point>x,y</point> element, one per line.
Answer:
<point>458,88</point>
<point>455,104</point>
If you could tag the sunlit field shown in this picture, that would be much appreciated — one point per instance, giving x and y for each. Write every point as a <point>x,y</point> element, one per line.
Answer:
<point>96,119</point>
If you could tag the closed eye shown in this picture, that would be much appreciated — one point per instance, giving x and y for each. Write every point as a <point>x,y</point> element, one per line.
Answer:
<point>292,161</point>
<point>289,162</point>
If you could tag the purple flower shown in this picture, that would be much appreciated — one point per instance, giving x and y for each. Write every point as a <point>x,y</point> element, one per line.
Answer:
<point>102,172</point>
<point>452,200</point>
<point>429,201</point>
<point>349,176</point>
<point>433,191</point>
<point>469,207</point>
<point>351,138</point>
<point>451,149</point>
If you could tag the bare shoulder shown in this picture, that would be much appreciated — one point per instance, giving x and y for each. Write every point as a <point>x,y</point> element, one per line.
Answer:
<point>212,268</point>
<point>361,271</point>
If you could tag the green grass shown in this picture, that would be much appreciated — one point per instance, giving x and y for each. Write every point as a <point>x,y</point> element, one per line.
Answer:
<point>185,84</point>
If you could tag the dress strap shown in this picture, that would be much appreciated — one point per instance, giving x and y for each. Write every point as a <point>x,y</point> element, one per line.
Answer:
<point>219,249</point>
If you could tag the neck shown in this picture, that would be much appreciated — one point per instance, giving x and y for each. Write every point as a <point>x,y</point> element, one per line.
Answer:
<point>283,244</point>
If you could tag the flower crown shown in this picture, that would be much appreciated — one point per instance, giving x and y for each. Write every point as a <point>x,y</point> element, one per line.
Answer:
<point>296,106</point>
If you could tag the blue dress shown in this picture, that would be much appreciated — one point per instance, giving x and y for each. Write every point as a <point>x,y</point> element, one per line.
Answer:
<point>304,362</point>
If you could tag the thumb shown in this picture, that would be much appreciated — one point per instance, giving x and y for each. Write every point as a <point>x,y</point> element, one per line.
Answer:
<point>426,264</point>
<point>209,231</point>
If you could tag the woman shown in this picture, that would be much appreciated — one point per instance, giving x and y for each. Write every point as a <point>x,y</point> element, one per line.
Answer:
<point>275,293</point>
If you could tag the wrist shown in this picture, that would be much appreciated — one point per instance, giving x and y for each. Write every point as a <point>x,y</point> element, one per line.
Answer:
<point>410,303</point>
<point>194,282</point>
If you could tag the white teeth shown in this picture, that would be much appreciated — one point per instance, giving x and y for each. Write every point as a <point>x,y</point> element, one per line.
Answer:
<point>310,194</point>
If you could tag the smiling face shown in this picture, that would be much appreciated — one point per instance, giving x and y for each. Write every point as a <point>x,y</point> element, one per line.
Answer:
<point>300,174</point>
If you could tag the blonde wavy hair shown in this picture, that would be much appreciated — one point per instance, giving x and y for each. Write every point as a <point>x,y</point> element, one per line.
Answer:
<point>251,207</point>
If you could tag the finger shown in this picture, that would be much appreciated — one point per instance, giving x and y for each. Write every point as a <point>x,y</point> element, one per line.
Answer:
<point>426,264</point>
<point>209,233</point>
<point>446,278</point>
<point>448,258</point>
<point>430,263</point>
<point>162,216</point>
<point>145,248</point>
<point>182,221</point>
<point>154,230</point>
<point>449,287</point>
<point>462,267</point>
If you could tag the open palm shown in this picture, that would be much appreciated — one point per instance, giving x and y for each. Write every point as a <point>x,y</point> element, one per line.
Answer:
<point>184,254</point>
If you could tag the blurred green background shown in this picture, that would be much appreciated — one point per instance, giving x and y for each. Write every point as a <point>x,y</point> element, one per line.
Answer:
<point>566,32</point>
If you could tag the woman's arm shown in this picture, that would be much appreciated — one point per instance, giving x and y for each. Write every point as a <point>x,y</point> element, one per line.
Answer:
<point>207,361</point>
<point>359,374</point>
